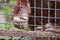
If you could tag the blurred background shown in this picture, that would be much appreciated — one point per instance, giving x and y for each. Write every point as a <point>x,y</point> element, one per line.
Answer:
<point>6,14</point>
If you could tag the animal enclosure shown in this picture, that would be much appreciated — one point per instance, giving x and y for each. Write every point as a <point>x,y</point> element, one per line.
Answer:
<point>30,19</point>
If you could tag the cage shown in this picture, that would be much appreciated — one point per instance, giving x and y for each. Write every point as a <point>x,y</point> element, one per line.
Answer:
<point>29,20</point>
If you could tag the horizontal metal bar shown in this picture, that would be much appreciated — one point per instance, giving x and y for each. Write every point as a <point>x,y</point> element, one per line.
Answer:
<point>54,0</point>
<point>40,8</point>
<point>33,34</point>
<point>36,7</point>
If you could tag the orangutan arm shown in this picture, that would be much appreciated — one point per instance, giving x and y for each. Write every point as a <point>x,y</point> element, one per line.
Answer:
<point>53,30</point>
<point>57,30</point>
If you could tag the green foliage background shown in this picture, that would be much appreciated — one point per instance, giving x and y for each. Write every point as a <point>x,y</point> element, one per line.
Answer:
<point>8,9</point>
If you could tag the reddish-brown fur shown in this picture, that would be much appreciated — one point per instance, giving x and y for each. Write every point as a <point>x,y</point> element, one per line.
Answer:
<point>17,6</point>
<point>38,12</point>
<point>44,12</point>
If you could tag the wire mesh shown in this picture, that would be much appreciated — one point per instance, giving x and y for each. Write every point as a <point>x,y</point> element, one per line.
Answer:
<point>43,8</point>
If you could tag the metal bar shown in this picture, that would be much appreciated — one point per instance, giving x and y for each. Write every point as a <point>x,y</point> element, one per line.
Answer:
<point>54,0</point>
<point>29,34</point>
<point>55,16</point>
<point>34,17</point>
<point>49,16</point>
<point>41,14</point>
<point>34,13</point>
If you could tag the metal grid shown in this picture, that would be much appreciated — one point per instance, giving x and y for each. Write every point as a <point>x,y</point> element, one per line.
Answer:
<point>55,17</point>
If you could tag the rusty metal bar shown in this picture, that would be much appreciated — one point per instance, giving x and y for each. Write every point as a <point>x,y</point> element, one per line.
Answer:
<point>34,34</point>
<point>54,0</point>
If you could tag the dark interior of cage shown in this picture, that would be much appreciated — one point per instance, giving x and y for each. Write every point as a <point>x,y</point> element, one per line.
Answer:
<point>44,12</point>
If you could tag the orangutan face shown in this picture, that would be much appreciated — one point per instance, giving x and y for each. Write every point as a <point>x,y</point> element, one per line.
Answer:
<point>21,20</point>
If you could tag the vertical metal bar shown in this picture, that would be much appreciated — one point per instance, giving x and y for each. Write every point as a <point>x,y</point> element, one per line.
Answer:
<point>42,14</point>
<point>34,16</point>
<point>55,17</point>
<point>55,14</point>
<point>28,15</point>
<point>12,13</point>
<point>20,9</point>
<point>48,16</point>
<point>12,37</point>
<point>20,22</point>
<point>4,31</point>
<point>4,24</point>
<point>20,38</point>
<point>34,13</point>
<point>48,11</point>
<point>5,1</point>
<point>27,1</point>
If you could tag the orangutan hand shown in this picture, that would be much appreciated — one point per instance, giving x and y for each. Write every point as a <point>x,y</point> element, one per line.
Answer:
<point>19,22</point>
<point>50,30</point>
